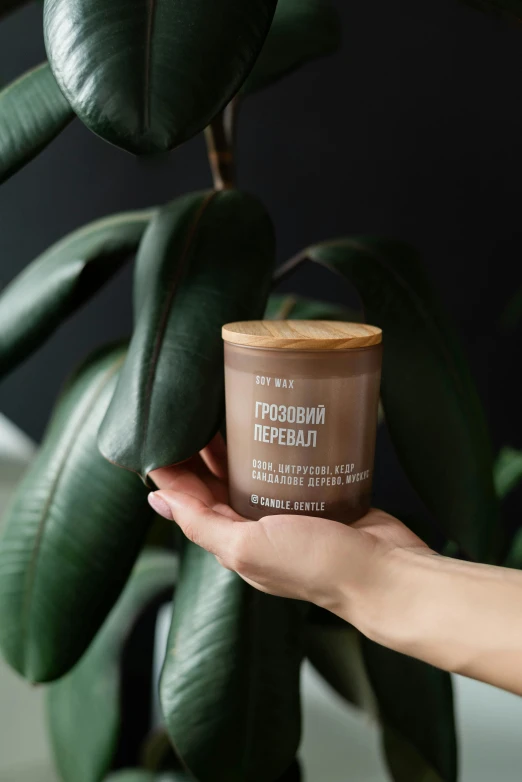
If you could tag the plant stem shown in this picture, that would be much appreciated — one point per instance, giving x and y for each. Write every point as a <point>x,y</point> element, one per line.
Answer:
<point>220,152</point>
<point>230,116</point>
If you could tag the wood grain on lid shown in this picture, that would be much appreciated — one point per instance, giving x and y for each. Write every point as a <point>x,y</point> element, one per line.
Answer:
<point>302,334</point>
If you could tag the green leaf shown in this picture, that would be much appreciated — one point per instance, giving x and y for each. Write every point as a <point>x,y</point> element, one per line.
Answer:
<point>431,405</point>
<point>205,260</point>
<point>71,536</point>
<point>335,652</point>
<point>147,75</point>
<point>412,700</point>
<point>302,30</point>
<point>230,684</point>
<point>33,112</point>
<point>84,706</point>
<point>416,706</point>
<point>508,470</point>
<point>404,762</point>
<point>300,308</point>
<point>61,280</point>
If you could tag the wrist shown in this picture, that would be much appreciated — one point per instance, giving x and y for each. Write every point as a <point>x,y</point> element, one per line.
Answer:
<point>388,604</point>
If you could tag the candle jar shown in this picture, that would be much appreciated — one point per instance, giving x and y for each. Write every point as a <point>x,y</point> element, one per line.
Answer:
<point>301,409</point>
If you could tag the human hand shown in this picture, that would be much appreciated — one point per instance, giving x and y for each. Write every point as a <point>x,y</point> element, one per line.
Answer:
<point>345,569</point>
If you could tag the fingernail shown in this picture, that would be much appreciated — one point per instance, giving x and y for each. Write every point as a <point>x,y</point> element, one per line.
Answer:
<point>157,502</point>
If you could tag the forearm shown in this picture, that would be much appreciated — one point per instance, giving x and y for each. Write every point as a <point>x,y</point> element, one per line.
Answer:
<point>459,616</point>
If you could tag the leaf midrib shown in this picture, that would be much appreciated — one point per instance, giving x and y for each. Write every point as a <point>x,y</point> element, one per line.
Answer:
<point>71,440</point>
<point>149,29</point>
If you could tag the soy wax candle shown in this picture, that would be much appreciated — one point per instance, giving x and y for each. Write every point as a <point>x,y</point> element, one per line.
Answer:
<point>301,409</point>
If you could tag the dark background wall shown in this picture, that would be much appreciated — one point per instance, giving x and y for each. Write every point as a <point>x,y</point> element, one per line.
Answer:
<point>412,130</point>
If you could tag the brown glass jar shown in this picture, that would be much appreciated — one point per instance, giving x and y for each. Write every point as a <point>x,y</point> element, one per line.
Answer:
<point>301,406</point>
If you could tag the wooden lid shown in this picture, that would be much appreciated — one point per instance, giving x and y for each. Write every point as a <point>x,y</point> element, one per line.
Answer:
<point>302,334</point>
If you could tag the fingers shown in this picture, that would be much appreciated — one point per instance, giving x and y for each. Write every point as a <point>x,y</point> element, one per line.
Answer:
<point>209,527</point>
<point>215,456</point>
<point>201,476</point>
<point>185,478</point>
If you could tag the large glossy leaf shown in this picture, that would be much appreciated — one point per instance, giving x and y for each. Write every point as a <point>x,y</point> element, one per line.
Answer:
<point>416,706</point>
<point>335,652</point>
<point>71,535</point>
<point>412,700</point>
<point>230,684</point>
<point>431,405</point>
<point>61,280</point>
<point>150,74</point>
<point>33,112</point>
<point>302,30</point>
<point>205,260</point>
<point>84,706</point>
<point>508,470</point>
<point>404,762</point>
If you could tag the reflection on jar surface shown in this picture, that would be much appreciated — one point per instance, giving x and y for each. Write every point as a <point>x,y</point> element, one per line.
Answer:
<point>301,428</point>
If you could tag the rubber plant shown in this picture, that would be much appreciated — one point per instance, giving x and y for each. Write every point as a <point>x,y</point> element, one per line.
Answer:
<point>77,572</point>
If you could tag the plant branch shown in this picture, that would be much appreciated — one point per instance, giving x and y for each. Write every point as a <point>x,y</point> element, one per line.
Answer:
<point>230,117</point>
<point>286,269</point>
<point>220,152</point>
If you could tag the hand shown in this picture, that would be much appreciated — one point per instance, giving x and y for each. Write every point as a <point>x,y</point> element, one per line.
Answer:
<point>342,568</point>
<point>375,574</point>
